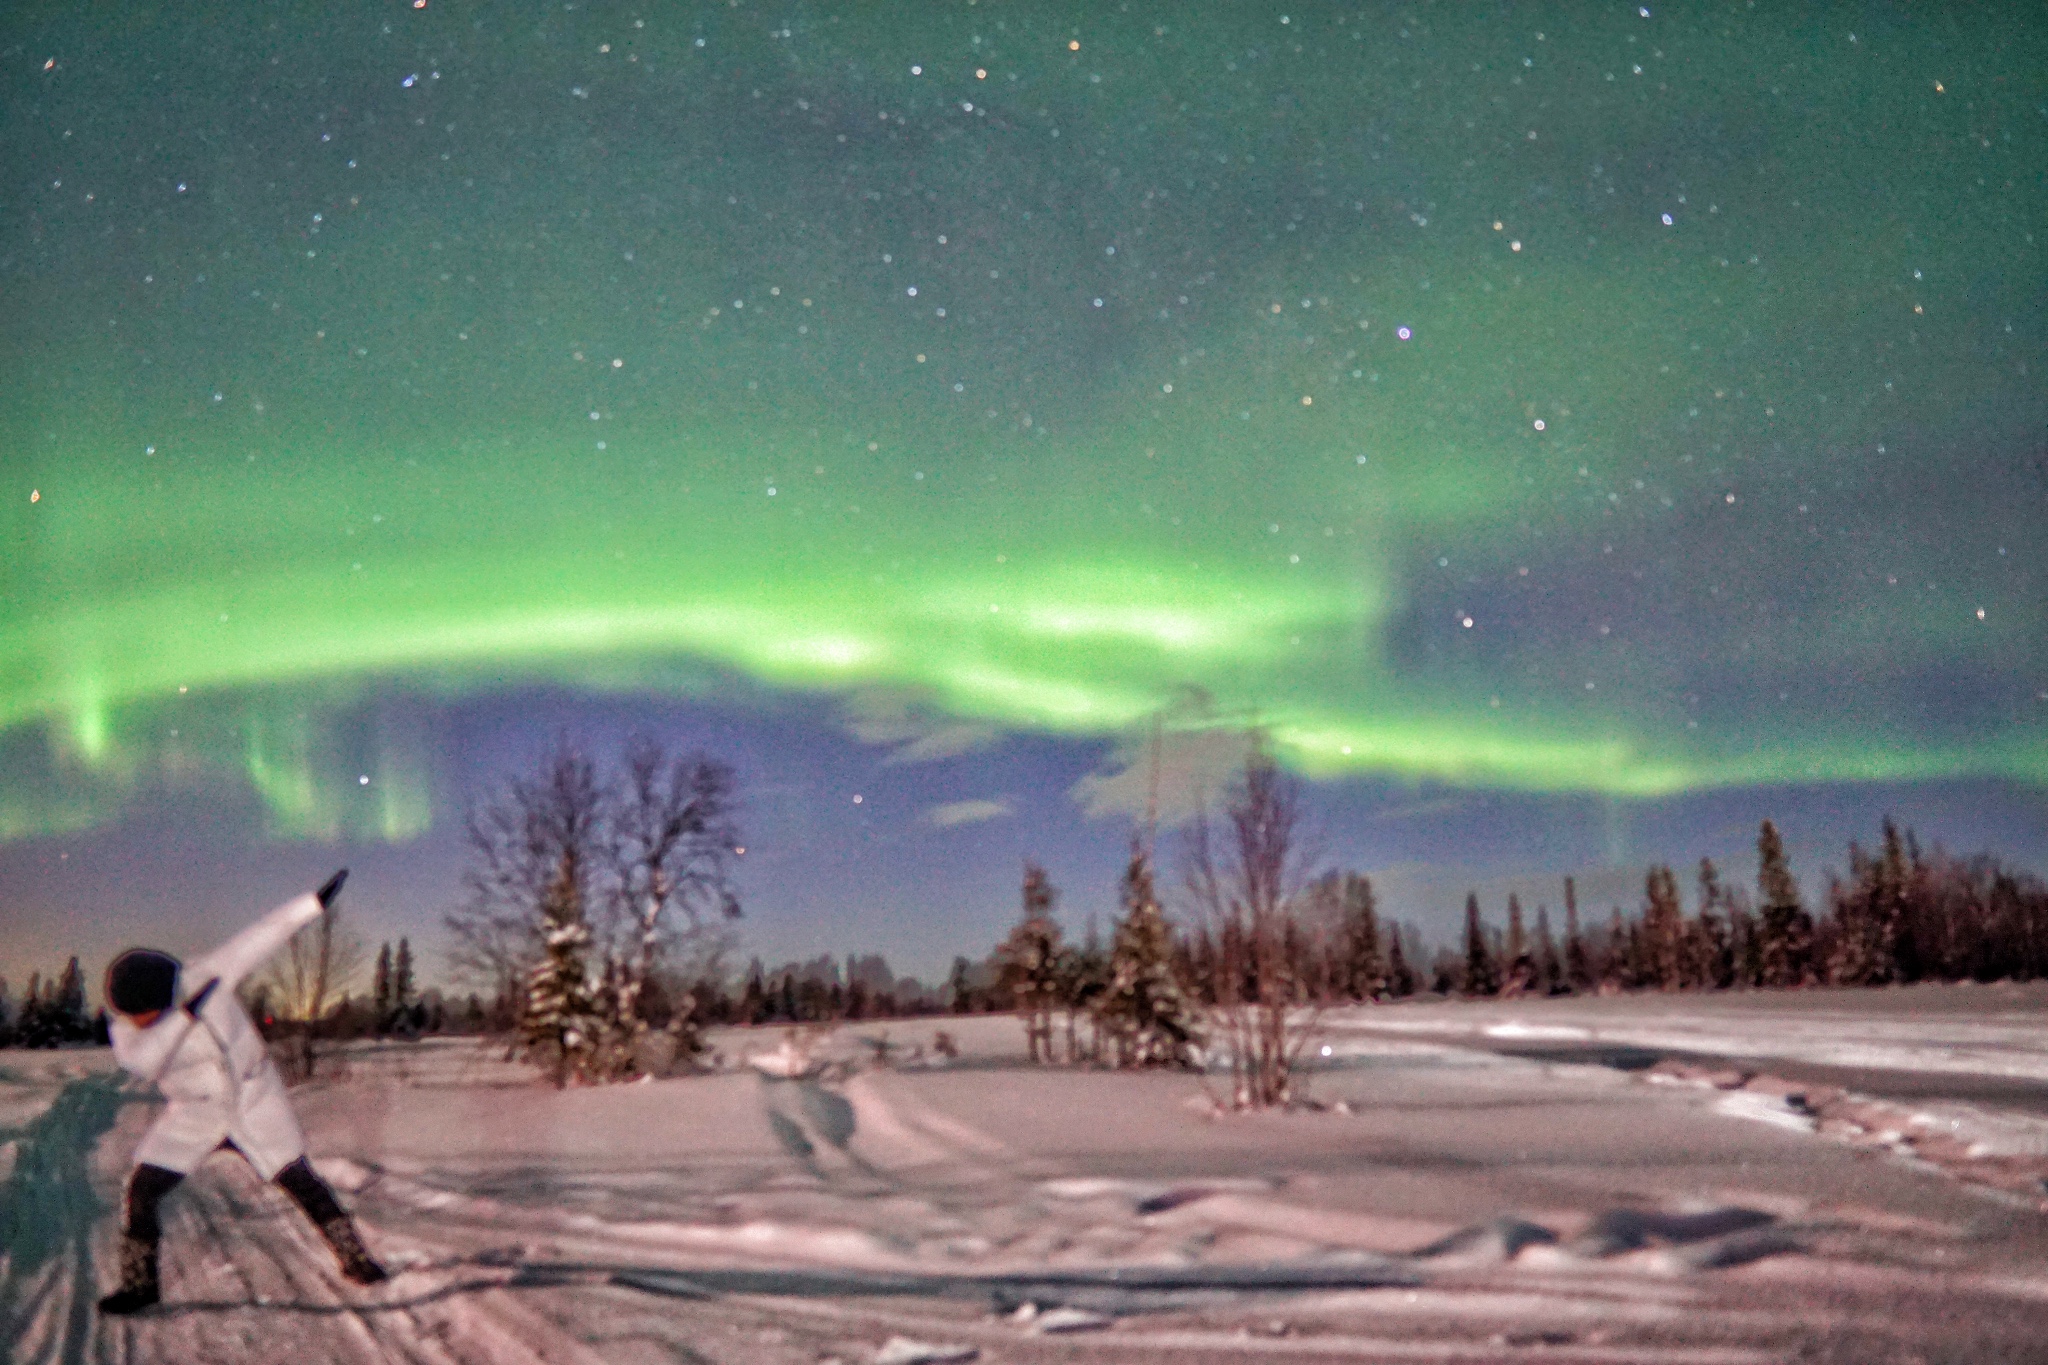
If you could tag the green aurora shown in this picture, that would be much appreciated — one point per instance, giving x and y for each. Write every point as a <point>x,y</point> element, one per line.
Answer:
<point>1563,401</point>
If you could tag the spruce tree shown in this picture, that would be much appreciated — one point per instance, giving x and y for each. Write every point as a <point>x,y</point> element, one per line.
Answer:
<point>1549,970</point>
<point>559,1023</point>
<point>28,1024</point>
<point>380,988</point>
<point>1083,974</point>
<point>1365,974</point>
<point>1029,961</point>
<point>1519,968</point>
<point>1143,1008</point>
<point>1744,944</point>
<point>1620,970</point>
<point>1578,963</point>
<point>754,995</point>
<point>1482,975</point>
<point>70,1022</point>
<point>1712,956</point>
<point>402,987</point>
<point>1663,929</point>
<point>1401,981</point>
<point>1869,915</point>
<point>1891,902</point>
<point>959,985</point>
<point>1784,930</point>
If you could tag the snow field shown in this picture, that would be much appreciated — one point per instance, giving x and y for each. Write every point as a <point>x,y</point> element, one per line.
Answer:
<point>1521,1208</point>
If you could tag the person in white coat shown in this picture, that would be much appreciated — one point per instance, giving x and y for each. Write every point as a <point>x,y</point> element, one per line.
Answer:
<point>180,1027</point>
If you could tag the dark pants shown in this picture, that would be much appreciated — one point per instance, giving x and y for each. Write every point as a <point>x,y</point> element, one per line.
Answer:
<point>149,1184</point>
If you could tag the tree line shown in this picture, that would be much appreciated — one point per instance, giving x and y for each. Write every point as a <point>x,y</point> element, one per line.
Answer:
<point>1901,914</point>
<point>51,1012</point>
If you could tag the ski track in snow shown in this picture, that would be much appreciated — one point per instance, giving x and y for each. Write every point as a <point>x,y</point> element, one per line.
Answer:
<point>866,1175</point>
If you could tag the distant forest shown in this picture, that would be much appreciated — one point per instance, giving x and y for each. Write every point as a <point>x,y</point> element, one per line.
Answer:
<point>1901,914</point>
<point>51,1012</point>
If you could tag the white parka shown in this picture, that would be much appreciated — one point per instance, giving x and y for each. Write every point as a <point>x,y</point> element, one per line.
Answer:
<point>215,1071</point>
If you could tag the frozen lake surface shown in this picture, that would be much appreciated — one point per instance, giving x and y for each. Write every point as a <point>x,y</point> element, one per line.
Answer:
<point>1512,1180</point>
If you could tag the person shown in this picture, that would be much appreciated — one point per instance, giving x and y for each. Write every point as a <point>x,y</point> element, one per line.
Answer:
<point>180,1027</point>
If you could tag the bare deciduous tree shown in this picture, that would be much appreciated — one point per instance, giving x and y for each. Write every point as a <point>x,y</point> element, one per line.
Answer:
<point>518,843</point>
<point>1243,886</point>
<point>672,841</point>
<point>306,981</point>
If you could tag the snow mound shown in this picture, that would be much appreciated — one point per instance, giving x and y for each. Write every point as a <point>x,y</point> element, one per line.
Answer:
<point>905,1351</point>
<point>1515,1028</point>
<point>1984,1132</point>
<point>1062,1320</point>
<point>1759,1108</point>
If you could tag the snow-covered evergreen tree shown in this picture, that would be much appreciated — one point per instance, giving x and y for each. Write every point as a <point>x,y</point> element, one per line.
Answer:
<point>1145,1011</point>
<point>559,1024</point>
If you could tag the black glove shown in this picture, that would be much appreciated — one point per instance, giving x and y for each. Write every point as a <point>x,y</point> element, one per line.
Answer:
<point>327,893</point>
<point>192,1005</point>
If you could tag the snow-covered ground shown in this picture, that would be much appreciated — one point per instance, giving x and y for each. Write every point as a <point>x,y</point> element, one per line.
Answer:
<point>1964,1031</point>
<point>1446,1202</point>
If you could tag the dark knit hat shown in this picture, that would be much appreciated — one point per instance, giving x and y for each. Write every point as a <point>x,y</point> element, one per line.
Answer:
<point>141,980</point>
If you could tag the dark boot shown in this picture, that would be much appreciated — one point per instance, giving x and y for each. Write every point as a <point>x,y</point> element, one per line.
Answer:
<point>139,1287</point>
<point>349,1253</point>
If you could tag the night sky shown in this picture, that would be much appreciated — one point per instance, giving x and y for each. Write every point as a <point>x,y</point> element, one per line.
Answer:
<point>1571,433</point>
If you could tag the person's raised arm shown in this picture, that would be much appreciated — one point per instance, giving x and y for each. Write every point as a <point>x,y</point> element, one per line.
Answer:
<point>228,964</point>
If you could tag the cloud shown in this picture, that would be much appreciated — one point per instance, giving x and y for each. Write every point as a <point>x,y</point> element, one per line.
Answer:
<point>1192,767</point>
<point>966,812</point>
<point>892,718</point>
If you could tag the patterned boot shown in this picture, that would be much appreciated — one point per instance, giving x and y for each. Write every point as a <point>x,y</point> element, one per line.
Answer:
<point>349,1253</point>
<point>139,1287</point>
